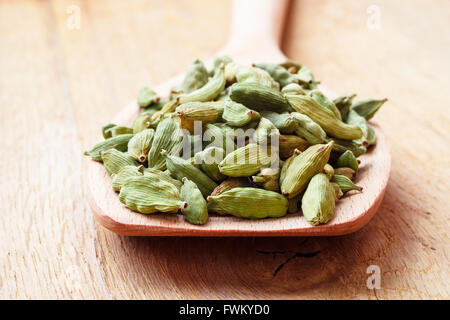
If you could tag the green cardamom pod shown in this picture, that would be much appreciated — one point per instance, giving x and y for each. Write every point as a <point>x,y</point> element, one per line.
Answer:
<point>119,179</point>
<point>246,161</point>
<point>180,168</point>
<point>196,77</point>
<point>324,117</point>
<point>114,160</point>
<point>142,122</point>
<point>238,115</point>
<point>168,137</point>
<point>215,136</point>
<point>268,178</point>
<point>337,190</point>
<point>367,108</point>
<point>196,211</point>
<point>266,133</point>
<point>308,129</point>
<point>348,172</point>
<point>118,130</point>
<point>294,204</point>
<point>343,104</point>
<point>260,77</point>
<point>278,73</point>
<point>285,122</point>
<point>252,203</point>
<point>148,194</point>
<point>304,167</point>
<point>286,165</point>
<point>146,97</point>
<point>289,143</point>
<point>320,98</point>
<point>348,160</point>
<point>190,112</point>
<point>293,88</point>
<point>230,183</point>
<point>163,175</point>
<point>345,183</point>
<point>306,78</point>
<point>259,98</point>
<point>319,200</point>
<point>209,160</point>
<point>105,130</point>
<point>328,170</point>
<point>139,145</point>
<point>340,146</point>
<point>119,142</point>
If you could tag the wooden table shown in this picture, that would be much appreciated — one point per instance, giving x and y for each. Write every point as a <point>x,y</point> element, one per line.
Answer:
<point>59,84</point>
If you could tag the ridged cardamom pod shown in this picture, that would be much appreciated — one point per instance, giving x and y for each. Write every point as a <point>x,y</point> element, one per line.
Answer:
<point>340,146</point>
<point>347,160</point>
<point>139,145</point>
<point>148,194</point>
<point>114,160</point>
<point>231,183</point>
<point>250,203</point>
<point>207,92</point>
<point>142,122</point>
<point>146,97</point>
<point>306,78</point>
<point>367,108</point>
<point>304,167</point>
<point>259,98</point>
<point>355,119</point>
<point>328,170</point>
<point>278,73</point>
<point>167,137</point>
<point>348,172</point>
<point>238,115</point>
<point>343,104</point>
<point>163,175</point>
<point>167,108</point>
<point>266,133</point>
<point>254,75</point>
<point>215,136</point>
<point>105,130</point>
<point>190,112</point>
<point>345,183</point>
<point>209,160</point>
<point>196,211</point>
<point>289,143</point>
<point>180,168</point>
<point>337,190</point>
<point>118,130</point>
<point>268,178</point>
<point>320,98</point>
<point>294,204</point>
<point>246,161</point>
<point>284,122</point>
<point>308,129</point>
<point>119,179</point>
<point>286,165</point>
<point>293,88</point>
<point>323,117</point>
<point>120,143</point>
<point>196,77</point>
<point>319,200</point>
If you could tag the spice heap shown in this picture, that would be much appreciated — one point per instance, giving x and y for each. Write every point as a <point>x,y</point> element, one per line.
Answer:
<point>249,141</point>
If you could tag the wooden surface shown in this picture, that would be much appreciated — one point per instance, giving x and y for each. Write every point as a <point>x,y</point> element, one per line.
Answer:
<point>57,86</point>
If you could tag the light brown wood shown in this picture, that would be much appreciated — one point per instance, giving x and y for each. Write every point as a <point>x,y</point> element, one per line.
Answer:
<point>58,86</point>
<point>250,20</point>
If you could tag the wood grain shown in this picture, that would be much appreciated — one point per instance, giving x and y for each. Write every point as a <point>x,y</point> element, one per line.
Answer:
<point>58,86</point>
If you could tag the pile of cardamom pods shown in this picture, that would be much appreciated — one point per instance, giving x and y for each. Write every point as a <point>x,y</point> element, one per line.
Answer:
<point>249,141</point>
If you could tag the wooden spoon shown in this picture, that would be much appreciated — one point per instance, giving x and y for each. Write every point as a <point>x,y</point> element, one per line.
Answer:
<point>255,33</point>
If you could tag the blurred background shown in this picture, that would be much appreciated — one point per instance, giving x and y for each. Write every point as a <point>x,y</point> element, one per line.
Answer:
<point>67,67</point>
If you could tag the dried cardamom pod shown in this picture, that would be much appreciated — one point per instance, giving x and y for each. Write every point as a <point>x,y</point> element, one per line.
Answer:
<point>195,78</point>
<point>337,190</point>
<point>246,161</point>
<point>259,98</point>
<point>308,129</point>
<point>196,211</point>
<point>328,170</point>
<point>118,130</point>
<point>348,160</point>
<point>119,142</point>
<point>348,172</point>
<point>168,137</point>
<point>343,104</point>
<point>114,160</point>
<point>230,183</point>
<point>268,178</point>
<point>367,108</point>
<point>209,160</point>
<point>163,175</point>
<point>180,168</point>
<point>324,117</point>
<point>306,78</point>
<point>146,97</point>
<point>142,122</point>
<point>190,112</point>
<point>238,115</point>
<point>286,165</point>
<point>119,179</point>
<point>294,204</point>
<point>148,194</point>
<point>304,167</point>
<point>246,74</point>
<point>319,200</point>
<point>252,203</point>
<point>105,130</point>
<point>266,133</point>
<point>214,136</point>
<point>285,122</point>
<point>320,98</point>
<point>289,143</point>
<point>278,73</point>
<point>139,145</point>
<point>340,146</point>
<point>345,183</point>
<point>293,88</point>
<point>207,92</point>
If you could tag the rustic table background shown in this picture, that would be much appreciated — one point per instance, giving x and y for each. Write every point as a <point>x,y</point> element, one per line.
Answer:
<point>58,85</point>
